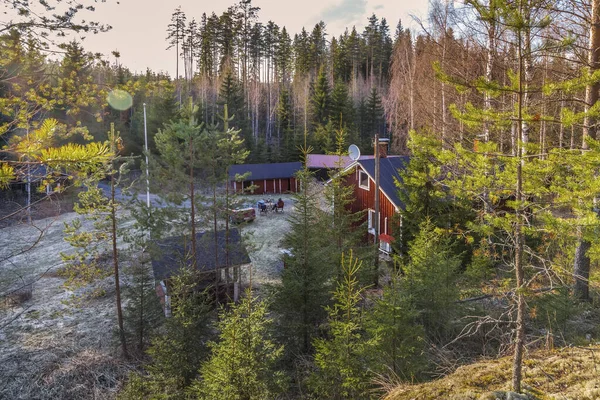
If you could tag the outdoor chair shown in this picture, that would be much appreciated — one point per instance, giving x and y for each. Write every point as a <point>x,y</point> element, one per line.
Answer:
<point>279,206</point>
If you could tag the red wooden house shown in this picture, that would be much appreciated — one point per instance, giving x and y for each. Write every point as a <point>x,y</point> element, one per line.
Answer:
<point>362,177</point>
<point>265,178</point>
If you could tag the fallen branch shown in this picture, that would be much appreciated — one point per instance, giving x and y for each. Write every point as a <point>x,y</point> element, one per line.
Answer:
<point>505,294</point>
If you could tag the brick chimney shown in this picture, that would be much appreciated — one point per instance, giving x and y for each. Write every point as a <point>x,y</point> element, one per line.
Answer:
<point>383,147</point>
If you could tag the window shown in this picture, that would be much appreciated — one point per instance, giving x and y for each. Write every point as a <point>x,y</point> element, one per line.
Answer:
<point>385,247</point>
<point>363,180</point>
<point>371,224</point>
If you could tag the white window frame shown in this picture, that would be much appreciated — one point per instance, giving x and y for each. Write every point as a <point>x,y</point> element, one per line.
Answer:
<point>371,217</point>
<point>385,247</point>
<point>368,186</point>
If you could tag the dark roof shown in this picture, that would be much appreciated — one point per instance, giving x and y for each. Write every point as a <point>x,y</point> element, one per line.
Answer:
<point>172,251</point>
<point>388,175</point>
<point>266,171</point>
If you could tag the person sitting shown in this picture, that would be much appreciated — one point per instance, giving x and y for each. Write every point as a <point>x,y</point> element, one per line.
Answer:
<point>262,206</point>
<point>279,205</point>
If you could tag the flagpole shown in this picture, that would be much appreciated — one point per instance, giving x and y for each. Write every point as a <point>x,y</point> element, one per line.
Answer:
<point>146,148</point>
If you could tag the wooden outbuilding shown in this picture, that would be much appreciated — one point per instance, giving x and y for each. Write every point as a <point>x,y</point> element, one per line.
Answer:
<point>265,178</point>
<point>213,260</point>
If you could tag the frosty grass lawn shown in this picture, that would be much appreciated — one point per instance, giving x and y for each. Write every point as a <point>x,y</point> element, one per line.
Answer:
<point>50,348</point>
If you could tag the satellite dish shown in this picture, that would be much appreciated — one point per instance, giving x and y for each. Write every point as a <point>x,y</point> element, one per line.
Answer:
<point>354,152</point>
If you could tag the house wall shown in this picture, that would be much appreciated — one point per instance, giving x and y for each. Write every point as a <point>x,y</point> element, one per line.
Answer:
<point>267,186</point>
<point>365,200</point>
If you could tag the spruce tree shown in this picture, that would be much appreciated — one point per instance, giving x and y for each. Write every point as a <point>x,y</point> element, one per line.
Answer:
<point>342,359</point>
<point>324,138</point>
<point>401,339</point>
<point>425,197</point>
<point>345,230</point>
<point>341,109</point>
<point>374,121</point>
<point>306,279</point>
<point>243,360</point>
<point>231,93</point>
<point>431,278</point>
<point>321,99</point>
<point>143,313</point>
<point>230,150</point>
<point>176,354</point>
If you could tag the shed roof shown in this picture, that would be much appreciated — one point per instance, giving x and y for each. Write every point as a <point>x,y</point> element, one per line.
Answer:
<point>388,175</point>
<point>173,251</point>
<point>327,161</point>
<point>265,171</point>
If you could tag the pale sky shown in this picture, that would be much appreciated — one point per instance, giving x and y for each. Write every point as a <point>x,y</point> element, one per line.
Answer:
<point>139,26</point>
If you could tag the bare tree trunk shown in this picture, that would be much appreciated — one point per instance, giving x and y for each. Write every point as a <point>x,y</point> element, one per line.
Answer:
<point>412,94</point>
<point>561,132</point>
<point>581,269</point>
<point>142,308</point>
<point>115,253</point>
<point>591,90</point>
<point>487,100</point>
<point>215,226</point>
<point>192,206</point>
<point>517,370</point>
<point>542,139</point>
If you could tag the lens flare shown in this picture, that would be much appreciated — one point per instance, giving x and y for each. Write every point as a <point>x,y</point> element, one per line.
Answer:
<point>119,99</point>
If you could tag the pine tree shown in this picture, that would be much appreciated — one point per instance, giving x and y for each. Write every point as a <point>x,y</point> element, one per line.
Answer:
<point>175,34</point>
<point>83,267</point>
<point>180,144</point>
<point>227,32</point>
<point>243,361</point>
<point>581,268</point>
<point>513,180</point>
<point>342,360</point>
